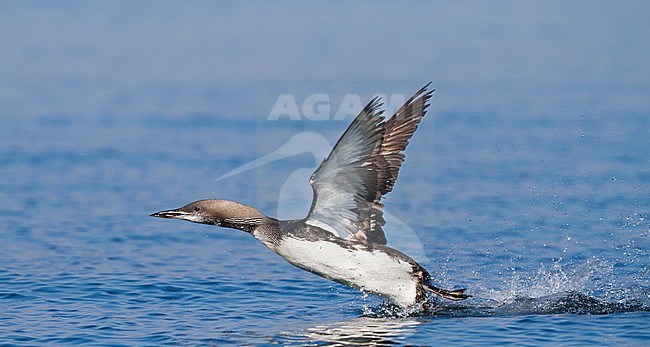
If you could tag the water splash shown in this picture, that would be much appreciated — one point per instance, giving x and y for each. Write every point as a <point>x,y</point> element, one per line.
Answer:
<point>556,280</point>
<point>589,287</point>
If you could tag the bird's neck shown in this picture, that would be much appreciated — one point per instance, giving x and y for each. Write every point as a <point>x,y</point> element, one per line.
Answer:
<point>246,224</point>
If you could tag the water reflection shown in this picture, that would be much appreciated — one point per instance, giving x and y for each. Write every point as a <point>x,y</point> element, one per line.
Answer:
<point>362,331</point>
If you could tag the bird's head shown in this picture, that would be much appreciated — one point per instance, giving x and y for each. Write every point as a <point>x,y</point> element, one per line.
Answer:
<point>218,212</point>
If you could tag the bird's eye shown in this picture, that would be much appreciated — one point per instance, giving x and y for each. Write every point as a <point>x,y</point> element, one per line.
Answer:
<point>197,209</point>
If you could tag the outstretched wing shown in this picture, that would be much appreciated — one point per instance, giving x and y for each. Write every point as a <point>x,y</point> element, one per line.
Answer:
<point>361,169</point>
<point>398,131</point>
<point>347,179</point>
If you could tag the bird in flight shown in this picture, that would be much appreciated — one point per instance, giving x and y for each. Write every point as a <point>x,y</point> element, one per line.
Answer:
<point>342,237</point>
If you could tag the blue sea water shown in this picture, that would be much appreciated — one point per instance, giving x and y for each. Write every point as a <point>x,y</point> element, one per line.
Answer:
<point>543,219</point>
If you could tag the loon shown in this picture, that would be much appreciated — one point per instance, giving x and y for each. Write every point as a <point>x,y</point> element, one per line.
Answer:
<point>342,239</point>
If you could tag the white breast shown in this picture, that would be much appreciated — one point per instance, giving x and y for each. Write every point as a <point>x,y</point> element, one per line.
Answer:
<point>375,271</point>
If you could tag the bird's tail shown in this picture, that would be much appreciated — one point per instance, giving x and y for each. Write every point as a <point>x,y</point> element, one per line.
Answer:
<point>454,295</point>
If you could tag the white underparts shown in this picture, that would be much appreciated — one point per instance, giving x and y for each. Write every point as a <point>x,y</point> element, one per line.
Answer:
<point>371,271</point>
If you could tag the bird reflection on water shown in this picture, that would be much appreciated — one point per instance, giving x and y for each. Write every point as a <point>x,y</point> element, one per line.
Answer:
<point>362,331</point>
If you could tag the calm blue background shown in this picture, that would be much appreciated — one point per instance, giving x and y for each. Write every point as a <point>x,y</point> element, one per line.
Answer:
<point>527,182</point>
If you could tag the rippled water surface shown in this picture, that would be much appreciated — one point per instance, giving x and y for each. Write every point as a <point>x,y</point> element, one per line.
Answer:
<point>543,219</point>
